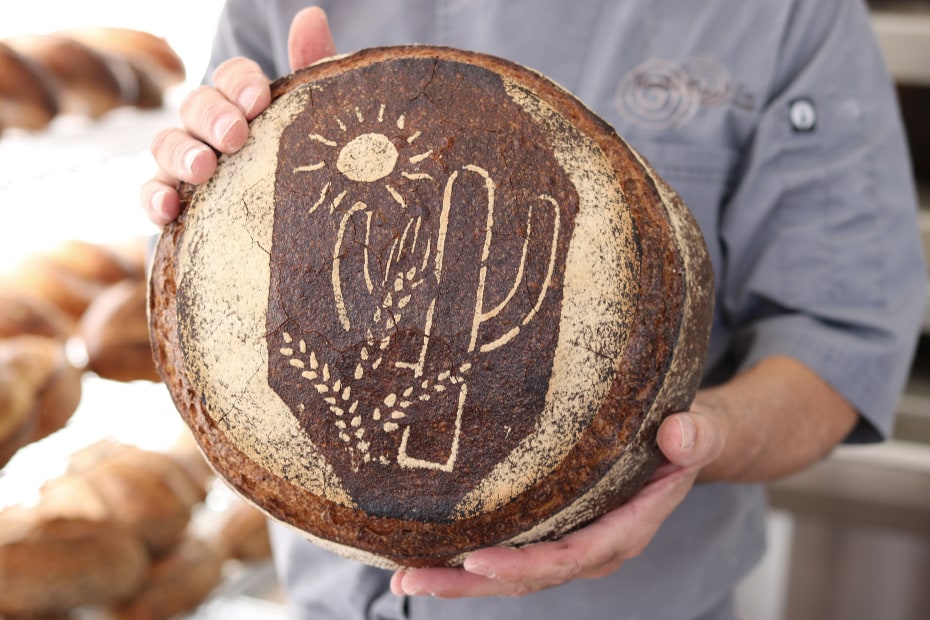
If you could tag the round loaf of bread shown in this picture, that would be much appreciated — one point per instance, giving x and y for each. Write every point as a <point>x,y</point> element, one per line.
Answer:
<point>435,304</point>
<point>115,332</point>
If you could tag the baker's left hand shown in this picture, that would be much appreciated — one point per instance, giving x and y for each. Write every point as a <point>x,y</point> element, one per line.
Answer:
<point>689,441</point>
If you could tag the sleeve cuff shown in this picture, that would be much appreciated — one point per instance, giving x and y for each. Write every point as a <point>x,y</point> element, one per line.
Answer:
<point>868,369</point>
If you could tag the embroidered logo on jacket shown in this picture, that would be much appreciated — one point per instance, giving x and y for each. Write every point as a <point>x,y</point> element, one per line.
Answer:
<point>664,94</point>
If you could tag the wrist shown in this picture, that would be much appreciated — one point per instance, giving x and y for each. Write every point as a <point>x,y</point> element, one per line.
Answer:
<point>775,418</point>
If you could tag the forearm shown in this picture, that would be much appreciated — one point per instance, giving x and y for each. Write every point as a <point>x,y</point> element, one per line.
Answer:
<point>777,416</point>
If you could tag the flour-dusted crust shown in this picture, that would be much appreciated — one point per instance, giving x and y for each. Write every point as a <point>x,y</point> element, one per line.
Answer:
<point>435,304</point>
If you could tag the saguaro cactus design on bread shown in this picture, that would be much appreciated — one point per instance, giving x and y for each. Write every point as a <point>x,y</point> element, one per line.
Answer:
<point>432,253</point>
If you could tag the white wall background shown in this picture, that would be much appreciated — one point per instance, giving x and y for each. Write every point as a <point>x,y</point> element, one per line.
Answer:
<point>186,24</point>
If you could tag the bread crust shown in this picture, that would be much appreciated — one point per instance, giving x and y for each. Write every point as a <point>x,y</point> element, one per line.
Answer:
<point>620,346</point>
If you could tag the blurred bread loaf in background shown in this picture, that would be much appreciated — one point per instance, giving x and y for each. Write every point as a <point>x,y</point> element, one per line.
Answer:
<point>75,308</point>
<point>27,96</point>
<point>84,72</point>
<point>125,533</point>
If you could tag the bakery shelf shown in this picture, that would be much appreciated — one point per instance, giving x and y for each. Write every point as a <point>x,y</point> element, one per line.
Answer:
<point>859,540</point>
<point>903,31</point>
<point>913,421</point>
<point>923,218</point>
<point>914,417</point>
<point>885,485</point>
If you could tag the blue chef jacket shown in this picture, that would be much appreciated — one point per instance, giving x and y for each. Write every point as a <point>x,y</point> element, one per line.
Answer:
<point>776,121</point>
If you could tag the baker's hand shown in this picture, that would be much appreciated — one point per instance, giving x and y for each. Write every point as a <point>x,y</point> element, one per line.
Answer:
<point>217,117</point>
<point>689,441</point>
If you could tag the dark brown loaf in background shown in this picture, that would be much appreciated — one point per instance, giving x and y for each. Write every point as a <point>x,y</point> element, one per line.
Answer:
<point>243,533</point>
<point>50,292</point>
<point>454,306</point>
<point>22,313</point>
<point>148,493</point>
<point>60,396</point>
<point>18,420</point>
<point>96,262</point>
<point>60,287</point>
<point>69,275</point>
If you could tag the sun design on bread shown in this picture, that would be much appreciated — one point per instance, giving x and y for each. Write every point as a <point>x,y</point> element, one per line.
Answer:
<point>368,157</point>
<point>390,205</point>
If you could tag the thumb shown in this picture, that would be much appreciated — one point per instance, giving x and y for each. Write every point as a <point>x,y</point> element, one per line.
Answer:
<point>690,439</point>
<point>309,38</point>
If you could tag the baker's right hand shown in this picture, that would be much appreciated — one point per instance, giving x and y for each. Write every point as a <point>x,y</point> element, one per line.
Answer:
<point>217,117</point>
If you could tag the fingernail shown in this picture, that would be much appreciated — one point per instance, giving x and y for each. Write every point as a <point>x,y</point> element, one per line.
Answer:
<point>686,427</point>
<point>476,567</point>
<point>223,126</point>
<point>410,589</point>
<point>190,158</point>
<point>248,98</point>
<point>158,202</point>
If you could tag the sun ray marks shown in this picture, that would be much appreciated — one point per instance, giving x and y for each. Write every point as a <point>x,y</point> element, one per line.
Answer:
<point>416,176</point>
<point>310,167</point>
<point>320,200</point>
<point>403,238</point>
<point>321,139</point>
<point>337,200</point>
<point>418,158</point>
<point>396,196</point>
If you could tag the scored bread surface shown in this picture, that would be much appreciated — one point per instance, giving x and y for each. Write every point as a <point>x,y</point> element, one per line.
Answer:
<point>435,304</point>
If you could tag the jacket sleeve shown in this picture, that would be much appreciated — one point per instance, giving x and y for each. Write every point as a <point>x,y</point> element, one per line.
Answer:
<point>824,262</point>
<point>256,29</point>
